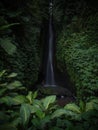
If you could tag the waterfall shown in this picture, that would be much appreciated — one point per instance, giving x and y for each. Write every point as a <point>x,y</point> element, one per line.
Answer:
<point>49,77</point>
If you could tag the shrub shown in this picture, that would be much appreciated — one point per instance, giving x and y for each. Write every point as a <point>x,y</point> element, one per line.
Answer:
<point>78,54</point>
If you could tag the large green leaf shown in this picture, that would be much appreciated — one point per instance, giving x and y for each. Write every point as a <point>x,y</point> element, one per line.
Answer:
<point>95,101</point>
<point>61,112</point>
<point>89,106</point>
<point>14,85</point>
<point>31,96</point>
<point>72,107</point>
<point>93,104</point>
<point>12,75</point>
<point>2,73</point>
<point>8,46</point>
<point>25,113</point>
<point>82,106</point>
<point>48,100</point>
<point>40,114</point>
<point>37,105</point>
<point>17,100</point>
<point>33,108</point>
<point>7,26</point>
<point>35,94</point>
<point>6,100</point>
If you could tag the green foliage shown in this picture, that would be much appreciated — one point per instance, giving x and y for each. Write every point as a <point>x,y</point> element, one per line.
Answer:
<point>10,96</point>
<point>25,114</point>
<point>48,100</point>
<point>73,107</point>
<point>77,49</point>
<point>8,87</point>
<point>19,38</point>
<point>8,26</point>
<point>31,96</point>
<point>79,54</point>
<point>8,46</point>
<point>27,64</point>
<point>23,111</point>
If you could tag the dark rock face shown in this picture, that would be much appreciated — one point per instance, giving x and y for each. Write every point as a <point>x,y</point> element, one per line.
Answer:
<point>63,101</point>
<point>55,90</point>
<point>64,96</point>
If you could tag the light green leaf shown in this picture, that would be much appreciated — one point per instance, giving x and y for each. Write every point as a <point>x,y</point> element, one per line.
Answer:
<point>6,100</point>
<point>17,100</point>
<point>25,113</point>
<point>14,85</point>
<point>12,75</point>
<point>7,26</point>
<point>40,114</point>
<point>8,46</point>
<point>37,105</point>
<point>82,106</point>
<point>2,73</point>
<point>48,100</point>
<point>3,84</point>
<point>29,97</point>
<point>89,106</point>
<point>34,94</point>
<point>33,109</point>
<point>61,112</point>
<point>73,107</point>
<point>95,101</point>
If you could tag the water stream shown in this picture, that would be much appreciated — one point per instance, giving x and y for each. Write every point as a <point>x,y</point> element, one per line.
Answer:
<point>50,77</point>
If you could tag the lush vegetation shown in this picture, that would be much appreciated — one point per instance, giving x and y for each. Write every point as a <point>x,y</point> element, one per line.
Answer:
<point>21,109</point>
<point>21,43</point>
<point>77,50</point>
<point>20,24</point>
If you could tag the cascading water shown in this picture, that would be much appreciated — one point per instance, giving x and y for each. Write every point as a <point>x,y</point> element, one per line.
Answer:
<point>49,77</point>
